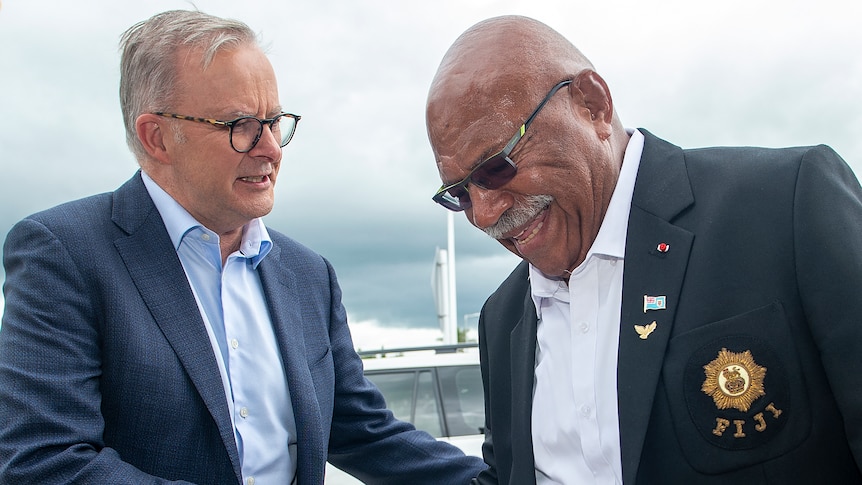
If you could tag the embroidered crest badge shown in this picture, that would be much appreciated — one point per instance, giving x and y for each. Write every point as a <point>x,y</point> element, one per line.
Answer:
<point>734,380</point>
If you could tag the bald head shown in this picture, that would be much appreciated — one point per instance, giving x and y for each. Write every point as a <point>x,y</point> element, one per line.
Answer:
<point>554,180</point>
<point>501,60</point>
<point>509,45</point>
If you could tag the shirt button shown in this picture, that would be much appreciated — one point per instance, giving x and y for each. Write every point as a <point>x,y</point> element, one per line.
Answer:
<point>243,412</point>
<point>250,481</point>
<point>586,411</point>
<point>585,327</point>
<point>205,237</point>
<point>234,343</point>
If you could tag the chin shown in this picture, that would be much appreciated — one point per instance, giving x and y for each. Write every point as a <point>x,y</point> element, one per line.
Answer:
<point>552,269</point>
<point>508,244</point>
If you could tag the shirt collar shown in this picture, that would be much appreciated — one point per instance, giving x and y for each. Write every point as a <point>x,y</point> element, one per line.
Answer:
<point>256,242</point>
<point>611,239</point>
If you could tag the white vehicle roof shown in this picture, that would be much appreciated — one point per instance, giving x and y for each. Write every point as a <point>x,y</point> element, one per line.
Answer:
<point>438,356</point>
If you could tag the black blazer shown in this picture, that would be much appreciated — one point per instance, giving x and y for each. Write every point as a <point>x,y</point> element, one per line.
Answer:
<point>763,284</point>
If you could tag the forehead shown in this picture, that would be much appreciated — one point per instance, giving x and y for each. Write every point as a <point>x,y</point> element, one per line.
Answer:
<point>238,80</point>
<point>467,127</point>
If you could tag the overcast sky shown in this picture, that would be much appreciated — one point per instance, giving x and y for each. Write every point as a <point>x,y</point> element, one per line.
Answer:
<point>356,180</point>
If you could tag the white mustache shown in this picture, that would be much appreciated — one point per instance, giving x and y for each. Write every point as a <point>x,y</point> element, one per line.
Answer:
<point>519,215</point>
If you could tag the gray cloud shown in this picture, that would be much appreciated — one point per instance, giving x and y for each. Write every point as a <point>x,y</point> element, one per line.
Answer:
<point>356,181</point>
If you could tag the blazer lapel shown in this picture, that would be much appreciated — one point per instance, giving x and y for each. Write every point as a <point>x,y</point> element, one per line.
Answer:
<point>283,297</point>
<point>157,272</point>
<point>662,191</point>
<point>522,347</point>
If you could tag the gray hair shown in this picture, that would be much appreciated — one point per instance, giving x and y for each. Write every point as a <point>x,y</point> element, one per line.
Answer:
<point>148,67</point>
<point>518,215</point>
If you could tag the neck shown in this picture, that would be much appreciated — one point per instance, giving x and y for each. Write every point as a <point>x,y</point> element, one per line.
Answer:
<point>229,243</point>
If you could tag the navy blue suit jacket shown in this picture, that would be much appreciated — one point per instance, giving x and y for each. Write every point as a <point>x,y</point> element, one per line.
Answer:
<point>763,259</point>
<point>107,374</point>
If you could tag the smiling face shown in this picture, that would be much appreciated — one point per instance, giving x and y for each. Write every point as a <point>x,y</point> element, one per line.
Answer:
<point>567,162</point>
<point>219,187</point>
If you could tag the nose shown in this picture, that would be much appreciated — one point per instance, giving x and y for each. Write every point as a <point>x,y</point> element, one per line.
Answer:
<point>268,145</point>
<point>488,206</point>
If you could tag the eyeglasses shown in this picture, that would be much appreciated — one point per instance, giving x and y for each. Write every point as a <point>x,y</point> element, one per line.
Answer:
<point>494,172</point>
<point>245,131</point>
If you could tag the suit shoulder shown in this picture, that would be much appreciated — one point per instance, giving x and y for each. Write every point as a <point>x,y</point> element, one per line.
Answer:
<point>88,212</point>
<point>757,159</point>
<point>292,246</point>
<point>767,173</point>
<point>734,156</point>
<point>298,256</point>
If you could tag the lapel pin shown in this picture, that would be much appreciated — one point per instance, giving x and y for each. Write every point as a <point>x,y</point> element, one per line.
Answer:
<point>663,247</point>
<point>654,302</point>
<point>645,330</point>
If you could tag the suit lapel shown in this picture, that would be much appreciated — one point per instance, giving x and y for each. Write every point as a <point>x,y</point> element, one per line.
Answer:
<point>283,299</point>
<point>661,192</point>
<point>522,347</point>
<point>155,268</point>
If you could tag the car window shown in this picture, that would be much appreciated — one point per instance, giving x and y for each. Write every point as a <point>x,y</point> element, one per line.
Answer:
<point>468,381</point>
<point>463,401</point>
<point>397,389</point>
<point>412,397</point>
<point>440,394</point>
<point>427,415</point>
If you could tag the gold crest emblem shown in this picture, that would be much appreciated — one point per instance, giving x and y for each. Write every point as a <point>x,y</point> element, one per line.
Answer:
<point>734,380</point>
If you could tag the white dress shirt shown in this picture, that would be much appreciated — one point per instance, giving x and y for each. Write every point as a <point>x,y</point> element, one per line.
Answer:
<point>232,304</point>
<point>575,427</point>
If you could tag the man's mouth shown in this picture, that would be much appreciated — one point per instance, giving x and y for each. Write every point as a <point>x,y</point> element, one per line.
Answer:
<point>524,236</point>
<point>522,222</point>
<point>256,179</point>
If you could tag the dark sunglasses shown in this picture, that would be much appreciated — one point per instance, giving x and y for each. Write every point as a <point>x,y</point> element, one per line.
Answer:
<point>494,172</point>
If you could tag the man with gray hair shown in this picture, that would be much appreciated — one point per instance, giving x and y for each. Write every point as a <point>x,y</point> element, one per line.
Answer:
<point>161,333</point>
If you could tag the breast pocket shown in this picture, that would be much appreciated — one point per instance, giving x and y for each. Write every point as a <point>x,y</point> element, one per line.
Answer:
<point>736,392</point>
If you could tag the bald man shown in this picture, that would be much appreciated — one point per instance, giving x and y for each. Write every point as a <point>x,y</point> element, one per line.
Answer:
<point>680,316</point>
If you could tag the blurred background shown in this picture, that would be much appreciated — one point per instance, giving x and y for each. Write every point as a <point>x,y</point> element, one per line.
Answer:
<point>356,181</point>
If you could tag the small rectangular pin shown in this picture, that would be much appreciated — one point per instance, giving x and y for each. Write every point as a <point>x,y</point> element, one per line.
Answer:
<point>655,302</point>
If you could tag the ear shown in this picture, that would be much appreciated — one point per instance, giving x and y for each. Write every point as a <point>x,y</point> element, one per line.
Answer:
<point>597,100</point>
<point>152,131</point>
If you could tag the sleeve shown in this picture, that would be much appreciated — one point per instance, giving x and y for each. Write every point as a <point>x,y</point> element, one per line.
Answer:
<point>50,365</point>
<point>366,440</point>
<point>828,242</point>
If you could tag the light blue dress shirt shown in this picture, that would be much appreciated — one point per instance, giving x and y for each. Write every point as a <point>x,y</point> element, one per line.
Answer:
<point>231,301</point>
